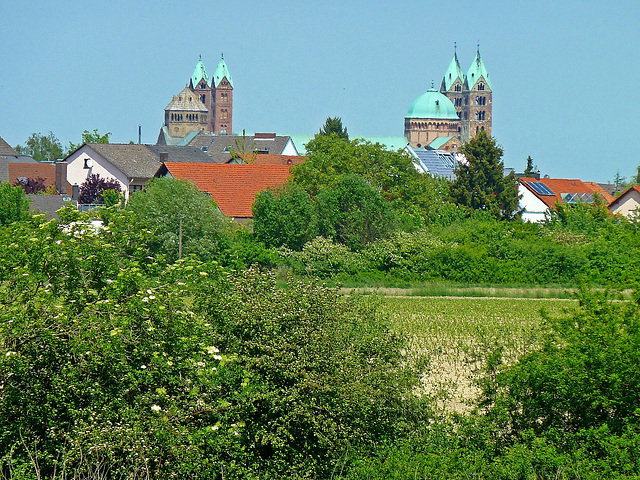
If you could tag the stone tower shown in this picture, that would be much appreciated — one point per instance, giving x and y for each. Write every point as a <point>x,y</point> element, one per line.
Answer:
<point>205,104</point>
<point>222,89</point>
<point>471,94</point>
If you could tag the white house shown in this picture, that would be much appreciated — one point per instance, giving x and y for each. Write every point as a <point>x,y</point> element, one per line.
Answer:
<point>130,164</point>
<point>627,203</point>
<point>539,196</point>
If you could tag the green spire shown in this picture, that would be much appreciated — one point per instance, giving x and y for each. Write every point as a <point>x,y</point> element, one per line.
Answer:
<point>199,73</point>
<point>454,71</point>
<point>477,70</point>
<point>221,72</point>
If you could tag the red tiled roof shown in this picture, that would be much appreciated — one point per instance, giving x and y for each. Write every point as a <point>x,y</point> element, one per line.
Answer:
<point>233,187</point>
<point>561,185</point>
<point>268,159</point>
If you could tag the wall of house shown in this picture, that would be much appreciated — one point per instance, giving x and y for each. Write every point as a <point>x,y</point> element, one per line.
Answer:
<point>629,204</point>
<point>535,210</point>
<point>78,170</point>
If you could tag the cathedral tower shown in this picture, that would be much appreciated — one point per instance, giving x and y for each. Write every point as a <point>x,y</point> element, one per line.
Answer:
<point>222,88</point>
<point>205,104</point>
<point>471,94</point>
<point>480,97</point>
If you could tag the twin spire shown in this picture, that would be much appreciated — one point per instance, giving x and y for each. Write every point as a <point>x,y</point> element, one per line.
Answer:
<point>473,75</point>
<point>200,73</point>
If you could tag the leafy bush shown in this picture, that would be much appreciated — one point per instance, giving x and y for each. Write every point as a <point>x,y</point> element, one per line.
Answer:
<point>14,205</point>
<point>113,362</point>
<point>167,203</point>
<point>92,188</point>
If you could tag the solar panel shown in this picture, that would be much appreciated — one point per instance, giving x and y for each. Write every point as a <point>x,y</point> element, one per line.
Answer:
<point>540,188</point>
<point>577,197</point>
<point>437,162</point>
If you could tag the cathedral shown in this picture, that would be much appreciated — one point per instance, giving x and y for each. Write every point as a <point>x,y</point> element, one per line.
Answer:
<point>205,104</point>
<point>447,118</point>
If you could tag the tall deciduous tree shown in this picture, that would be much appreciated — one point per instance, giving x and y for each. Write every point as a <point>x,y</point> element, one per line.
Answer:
<point>333,125</point>
<point>480,183</point>
<point>161,206</point>
<point>42,147</point>
<point>90,137</point>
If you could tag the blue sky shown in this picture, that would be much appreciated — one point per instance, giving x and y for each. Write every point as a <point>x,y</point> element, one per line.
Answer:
<point>564,74</point>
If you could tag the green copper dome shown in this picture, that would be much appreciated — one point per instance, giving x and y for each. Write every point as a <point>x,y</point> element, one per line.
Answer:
<point>199,73</point>
<point>476,71</point>
<point>432,104</point>
<point>221,72</point>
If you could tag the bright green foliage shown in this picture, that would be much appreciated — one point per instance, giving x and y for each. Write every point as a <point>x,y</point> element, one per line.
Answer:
<point>481,183</point>
<point>416,198</point>
<point>42,147</point>
<point>333,126</point>
<point>284,217</point>
<point>353,212</point>
<point>111,360</point>
<point>586,377</point>
<point>581,217</point>
<point>161,206</point>
<point>90,137</point>
<point>14,205</point>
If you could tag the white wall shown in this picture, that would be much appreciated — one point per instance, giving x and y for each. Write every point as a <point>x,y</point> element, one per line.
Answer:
<point>77,173</point>
<point>627,205</point>
<point>535,210</point>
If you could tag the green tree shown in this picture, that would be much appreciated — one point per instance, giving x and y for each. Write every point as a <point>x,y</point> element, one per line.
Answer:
<point>90,137</point>
<point>480,183</point>
<point>353,212</point>
<point>284,217</point>
<point>333,125</point>
<point>393,173</point>
<point>14,205</point>
<point>42,147</point>
<point>584,378</point>
<point>164,203</point>
<point>531,169</point>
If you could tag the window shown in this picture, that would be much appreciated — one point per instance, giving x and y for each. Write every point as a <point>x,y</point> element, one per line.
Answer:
<point>135,188</point>
<point>481,86</point>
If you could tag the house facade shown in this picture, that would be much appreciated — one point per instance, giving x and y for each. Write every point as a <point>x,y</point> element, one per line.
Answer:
<point>132,166</point>
<point>538,197</point>
<point>628,203</point>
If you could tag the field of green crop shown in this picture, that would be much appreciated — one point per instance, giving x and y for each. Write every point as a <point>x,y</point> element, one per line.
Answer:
<point>458,335</point>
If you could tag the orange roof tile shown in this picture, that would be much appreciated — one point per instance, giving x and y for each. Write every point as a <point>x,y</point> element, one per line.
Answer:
<point>233,187</point>
<point>271,159</point>
<point>560,186</point>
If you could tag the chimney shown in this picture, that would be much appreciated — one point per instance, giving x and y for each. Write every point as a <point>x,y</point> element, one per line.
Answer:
<point>61,178</point>
<point>164,157</point>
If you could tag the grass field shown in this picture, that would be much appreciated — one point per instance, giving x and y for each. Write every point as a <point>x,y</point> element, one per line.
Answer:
<point>457,335</point>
